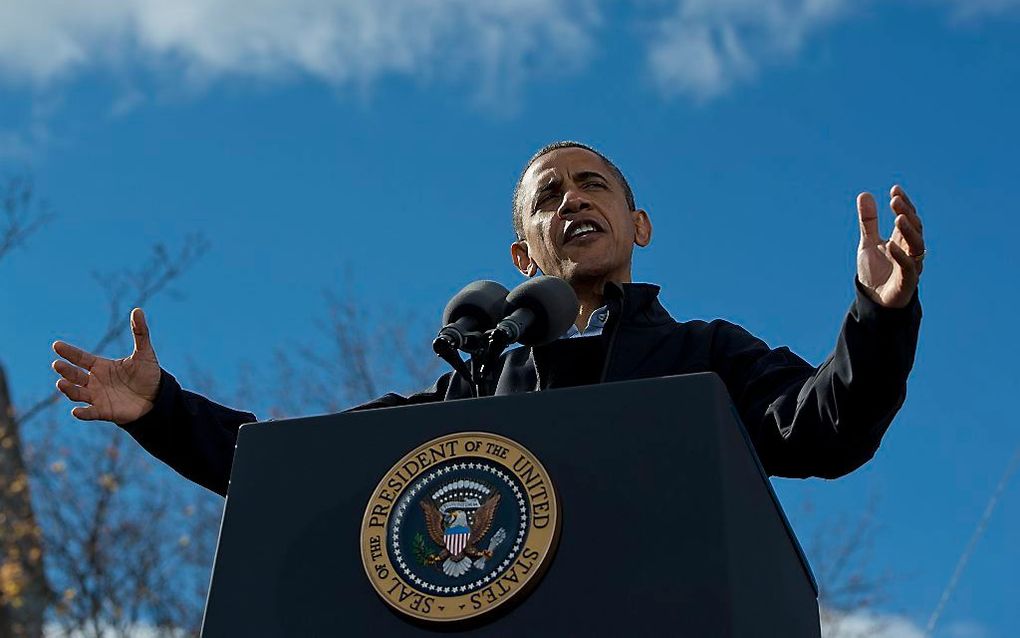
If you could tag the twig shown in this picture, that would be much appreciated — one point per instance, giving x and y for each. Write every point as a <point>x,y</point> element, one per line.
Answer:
<point>152,279</point>
<point>23,214</point>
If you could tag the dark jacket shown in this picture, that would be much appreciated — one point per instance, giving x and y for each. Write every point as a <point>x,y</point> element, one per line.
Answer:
<point>804,421</point>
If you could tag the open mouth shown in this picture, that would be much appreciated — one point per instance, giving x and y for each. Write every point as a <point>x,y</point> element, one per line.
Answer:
<point>580,228</point>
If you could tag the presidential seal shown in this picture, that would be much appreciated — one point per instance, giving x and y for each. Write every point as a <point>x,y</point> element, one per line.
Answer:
<point>459,526</point>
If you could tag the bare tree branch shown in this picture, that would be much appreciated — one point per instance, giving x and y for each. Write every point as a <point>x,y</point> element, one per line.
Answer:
<point>130,290</point>
<point>123,546</point>
<point>23,214</point>
<point>848,586</point>
<point>350,361</point>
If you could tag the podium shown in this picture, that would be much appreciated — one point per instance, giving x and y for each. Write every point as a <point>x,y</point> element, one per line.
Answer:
<point>668,524</point>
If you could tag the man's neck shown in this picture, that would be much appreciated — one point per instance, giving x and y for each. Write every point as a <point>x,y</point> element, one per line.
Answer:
<point>590,296</point>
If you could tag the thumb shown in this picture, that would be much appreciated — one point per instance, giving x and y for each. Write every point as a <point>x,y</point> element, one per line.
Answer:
<point>140,331</point>
<point>867,216</point>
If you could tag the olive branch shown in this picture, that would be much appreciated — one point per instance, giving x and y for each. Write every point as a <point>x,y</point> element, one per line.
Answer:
<point>420,552</point>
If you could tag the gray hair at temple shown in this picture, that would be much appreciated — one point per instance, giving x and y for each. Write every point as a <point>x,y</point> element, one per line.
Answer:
<point>518,205</point>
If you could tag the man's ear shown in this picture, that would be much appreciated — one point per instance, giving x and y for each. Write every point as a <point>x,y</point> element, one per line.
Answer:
<point>642,228</point>
<point>522,260</point>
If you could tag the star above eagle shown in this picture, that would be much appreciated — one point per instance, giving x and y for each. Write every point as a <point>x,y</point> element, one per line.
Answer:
<point>457,537</point>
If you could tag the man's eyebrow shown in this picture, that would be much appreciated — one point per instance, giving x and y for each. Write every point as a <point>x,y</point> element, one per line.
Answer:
<point>580,176</point>
<point>552,182</point>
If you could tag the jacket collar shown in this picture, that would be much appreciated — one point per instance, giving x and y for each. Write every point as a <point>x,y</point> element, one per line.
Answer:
<point>635,303</point>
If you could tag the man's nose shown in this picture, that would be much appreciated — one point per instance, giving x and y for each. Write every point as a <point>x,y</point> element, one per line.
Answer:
<point>573,202</point>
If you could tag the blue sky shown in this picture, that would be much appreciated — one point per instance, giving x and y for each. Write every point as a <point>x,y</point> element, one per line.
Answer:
<point>372,147</point>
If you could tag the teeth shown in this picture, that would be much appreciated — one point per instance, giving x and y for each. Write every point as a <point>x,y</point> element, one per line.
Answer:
<point>583,227</point>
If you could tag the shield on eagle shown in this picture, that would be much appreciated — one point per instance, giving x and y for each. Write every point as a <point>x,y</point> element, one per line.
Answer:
<point>456,539</point>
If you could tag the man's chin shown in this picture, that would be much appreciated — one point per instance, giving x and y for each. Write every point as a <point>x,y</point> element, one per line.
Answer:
<point>587,273</point>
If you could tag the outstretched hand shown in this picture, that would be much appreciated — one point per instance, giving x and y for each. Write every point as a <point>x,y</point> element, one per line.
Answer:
<point>889,269</point>
<point>118,390</point>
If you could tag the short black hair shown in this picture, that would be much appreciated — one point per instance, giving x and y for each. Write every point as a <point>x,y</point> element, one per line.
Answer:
<point>518,207</point>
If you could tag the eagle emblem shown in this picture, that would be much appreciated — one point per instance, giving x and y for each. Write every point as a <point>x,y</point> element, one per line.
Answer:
<point>458,531</point>
<point>458,526</point>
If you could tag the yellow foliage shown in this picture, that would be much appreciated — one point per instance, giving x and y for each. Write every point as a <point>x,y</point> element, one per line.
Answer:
<point>12,579</point>
<point>108,482</point>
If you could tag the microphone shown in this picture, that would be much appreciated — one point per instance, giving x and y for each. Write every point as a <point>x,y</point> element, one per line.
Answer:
<point>473,310</point>
<point>541,310</point>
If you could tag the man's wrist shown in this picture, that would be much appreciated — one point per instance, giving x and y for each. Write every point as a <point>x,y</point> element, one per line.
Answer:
<point>160,405</point>
<point>870,310</point>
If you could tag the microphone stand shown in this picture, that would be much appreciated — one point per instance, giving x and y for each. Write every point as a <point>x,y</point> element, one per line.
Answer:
<point>496,343</point>
<point>476,372</point>
<point>477,377</point>
<point>447,351</point>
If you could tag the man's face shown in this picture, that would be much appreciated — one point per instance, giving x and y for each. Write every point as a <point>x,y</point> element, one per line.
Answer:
<point>577,223</point>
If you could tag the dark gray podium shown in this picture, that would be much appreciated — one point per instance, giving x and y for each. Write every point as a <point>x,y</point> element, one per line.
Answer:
<point>669,525</point>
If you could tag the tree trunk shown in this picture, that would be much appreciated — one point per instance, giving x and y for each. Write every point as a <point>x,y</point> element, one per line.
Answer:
<point>24,593</point>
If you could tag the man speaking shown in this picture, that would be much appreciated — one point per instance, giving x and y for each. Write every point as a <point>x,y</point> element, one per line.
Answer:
<point>575,218</point>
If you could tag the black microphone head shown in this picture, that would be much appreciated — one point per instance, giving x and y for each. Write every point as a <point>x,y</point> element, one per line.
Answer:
<point>555,306</point>
<point>482,301</point>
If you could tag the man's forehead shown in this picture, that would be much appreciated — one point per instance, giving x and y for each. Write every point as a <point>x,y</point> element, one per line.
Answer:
<point>564,160</point>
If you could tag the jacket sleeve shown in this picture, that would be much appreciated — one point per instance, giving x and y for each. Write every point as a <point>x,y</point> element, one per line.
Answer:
<point>196,436</point>
<point>825,421</point>
<point>437,392</point>
<point>190,433</point>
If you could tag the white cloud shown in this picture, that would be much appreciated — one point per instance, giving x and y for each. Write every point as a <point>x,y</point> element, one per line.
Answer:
<point>343,42</point>
<point>976,9</point>
<point>696,48</point>
<point>965,629</point>
<point>137,630</point>
<point>869,624</point>
<point>703,47</point>
<point>865,624</point>
<point>21,145</point>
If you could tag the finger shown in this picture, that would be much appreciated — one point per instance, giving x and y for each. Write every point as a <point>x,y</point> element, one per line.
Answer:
<point>74,374</point>
<point>908,266</point>
<point>900,203</point>
<point>74,392</point>
<point>867,215</point>
<point>897,191</point>
<point>77,356</point>
<point>85,413</point>
<point>912,237</point>
<point>902,206</point>
<point>140,331</point>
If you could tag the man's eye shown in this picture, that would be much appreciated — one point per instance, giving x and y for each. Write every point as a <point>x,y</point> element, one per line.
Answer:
<point>594,185</point>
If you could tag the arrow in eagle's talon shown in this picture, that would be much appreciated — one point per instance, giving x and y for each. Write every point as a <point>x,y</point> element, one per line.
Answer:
<point>494,542</point>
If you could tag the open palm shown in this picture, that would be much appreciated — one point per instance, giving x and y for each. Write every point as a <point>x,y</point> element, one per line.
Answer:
<point>118,390</point>
<point>889,269</point>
